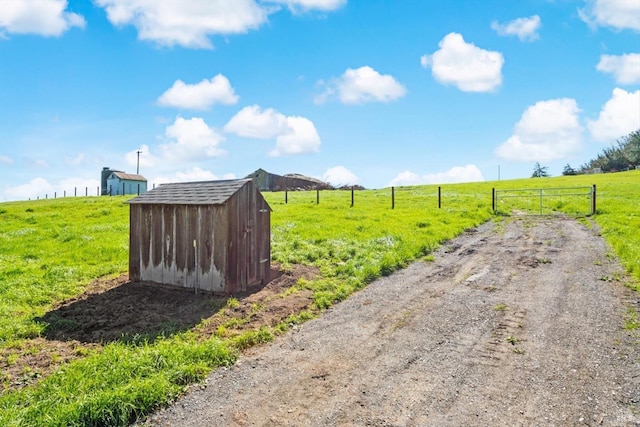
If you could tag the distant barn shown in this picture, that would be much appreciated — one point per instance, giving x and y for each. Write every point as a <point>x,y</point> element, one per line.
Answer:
<point>117,183</point>
<point>213,236</point>
<point>266,181</point>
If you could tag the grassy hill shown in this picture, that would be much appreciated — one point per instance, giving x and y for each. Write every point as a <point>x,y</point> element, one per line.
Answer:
<point>52,249</point>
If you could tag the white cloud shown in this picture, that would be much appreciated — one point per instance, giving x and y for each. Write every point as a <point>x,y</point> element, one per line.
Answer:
<point>6,160</point>
<point>80,185</point>
<point>200,96</point>
<point>547,130</point>
<point>363,85</point>
<point>625,68</point>
<point>339,176</point>
<point>75,161</point>
<point>464,65</point>
<point>191,140</point>
<point>37,187</point>
<point>307,5</point>
<point>37,163</point>
<point>468,173</point>
<point>41,188</point>
<point>251,122</point>
<point>191,23</point>
<point>187,23</point>
<point>41,17</point>
<point>526,29</point>
<point>146,158</point>
<point>406,178</point>
<point>301,137</point>
<point>618,117</point>
<point>618,14</point>
<point>294,135</point>
<point>190,175</point>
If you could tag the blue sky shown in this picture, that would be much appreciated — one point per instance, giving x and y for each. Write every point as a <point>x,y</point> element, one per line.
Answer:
<point>373,92</point>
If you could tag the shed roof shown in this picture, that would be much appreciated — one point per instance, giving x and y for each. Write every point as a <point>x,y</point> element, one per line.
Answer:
<point>129,176</point>
<point>191,193</point>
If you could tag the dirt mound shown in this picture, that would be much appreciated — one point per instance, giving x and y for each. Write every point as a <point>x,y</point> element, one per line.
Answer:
<point>114,309</point>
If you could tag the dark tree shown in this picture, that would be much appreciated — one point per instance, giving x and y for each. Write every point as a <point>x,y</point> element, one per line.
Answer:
<point>539,171</point>
<point>623,155</point>
<point>568,170</point>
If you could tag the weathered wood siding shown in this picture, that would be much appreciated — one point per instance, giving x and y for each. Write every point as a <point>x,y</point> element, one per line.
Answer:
<point>232,243</point>
<point>248,244</point>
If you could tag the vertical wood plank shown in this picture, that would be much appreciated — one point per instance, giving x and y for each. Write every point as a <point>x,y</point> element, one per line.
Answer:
<point>134,243</point>
<point>168,263</point>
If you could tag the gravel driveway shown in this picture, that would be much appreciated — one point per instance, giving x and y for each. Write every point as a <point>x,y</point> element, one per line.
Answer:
<point>520,322</point>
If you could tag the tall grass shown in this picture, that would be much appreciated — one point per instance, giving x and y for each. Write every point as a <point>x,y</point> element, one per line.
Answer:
<point>354,245</point>
<point>52,249</point>
<point>115,386</point>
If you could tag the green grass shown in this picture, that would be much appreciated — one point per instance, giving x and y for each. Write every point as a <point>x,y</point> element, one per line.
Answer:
<point>51,250</point>
<point>500,307</point>
<point>115,386</point>
<point>353,246</point>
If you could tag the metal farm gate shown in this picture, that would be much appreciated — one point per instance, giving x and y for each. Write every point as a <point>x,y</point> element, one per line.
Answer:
<point>578,201</point>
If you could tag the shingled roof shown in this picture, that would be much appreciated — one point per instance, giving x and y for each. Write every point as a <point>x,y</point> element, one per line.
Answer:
<point>129,176</point>
<point>191,193</point>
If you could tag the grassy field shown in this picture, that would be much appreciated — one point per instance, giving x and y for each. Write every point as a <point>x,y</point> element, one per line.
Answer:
<point>51,250</point>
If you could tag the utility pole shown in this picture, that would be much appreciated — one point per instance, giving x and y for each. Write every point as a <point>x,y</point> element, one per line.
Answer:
<point>138,165</point>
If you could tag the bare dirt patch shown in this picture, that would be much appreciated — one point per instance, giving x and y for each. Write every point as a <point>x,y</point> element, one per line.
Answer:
<point>516,323</point>
<point>114,309</point>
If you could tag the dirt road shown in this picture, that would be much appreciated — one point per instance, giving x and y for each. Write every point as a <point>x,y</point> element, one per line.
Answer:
<point>519,323</point>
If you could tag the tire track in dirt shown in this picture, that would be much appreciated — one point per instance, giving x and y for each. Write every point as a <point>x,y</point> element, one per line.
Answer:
<point>510,325</point>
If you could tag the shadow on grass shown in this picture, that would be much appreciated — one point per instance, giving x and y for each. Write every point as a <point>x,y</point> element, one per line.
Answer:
<point>131,312</point>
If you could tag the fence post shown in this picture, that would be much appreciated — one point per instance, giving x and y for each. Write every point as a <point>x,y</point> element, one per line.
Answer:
<point>65,193</point>
<point>86,191</point>
<point>593,200</point>
<point>97,191</point>
<point>541,201</point>
<point>393,197</point>
<point>75,191</point>
<point>55,194</point>
<point>138,189</point>
<point>351,196</point>
<point>286,197</point>
<point>123,189</point>
<point>439,197</point>
<point>317,196</point>
<point>493,199</point>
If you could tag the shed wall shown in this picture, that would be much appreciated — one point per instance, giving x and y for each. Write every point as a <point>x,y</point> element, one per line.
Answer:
<point>162,249</point>
<point>248,245</point>
<point>232,249</point>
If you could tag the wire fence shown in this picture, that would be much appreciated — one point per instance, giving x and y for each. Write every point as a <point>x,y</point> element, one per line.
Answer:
<point>124,190</point>
<point>75,193</point>
<point>579,201</point>
<point>295,196</point>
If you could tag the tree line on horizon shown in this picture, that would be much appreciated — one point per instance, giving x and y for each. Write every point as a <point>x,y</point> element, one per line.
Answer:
<point>621,156</point>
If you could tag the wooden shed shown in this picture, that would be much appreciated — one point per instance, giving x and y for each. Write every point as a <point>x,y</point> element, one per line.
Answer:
<point>212,236</point>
